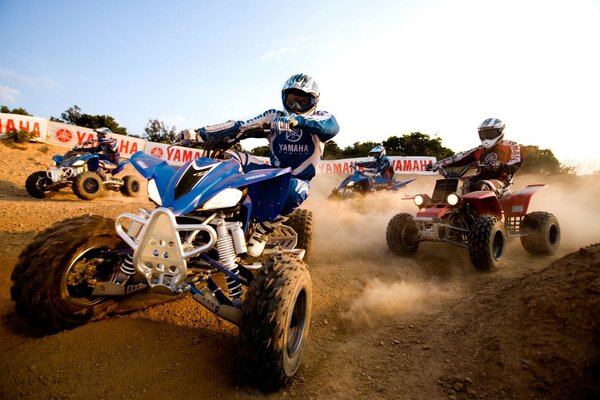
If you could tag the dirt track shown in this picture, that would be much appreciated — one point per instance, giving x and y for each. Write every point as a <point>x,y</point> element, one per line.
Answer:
<point>383,327</point>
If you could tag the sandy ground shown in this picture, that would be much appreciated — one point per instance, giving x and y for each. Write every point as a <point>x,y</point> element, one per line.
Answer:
<point>383,327</point>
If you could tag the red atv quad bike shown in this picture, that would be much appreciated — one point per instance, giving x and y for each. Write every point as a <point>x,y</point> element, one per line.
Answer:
<point>482,221</point>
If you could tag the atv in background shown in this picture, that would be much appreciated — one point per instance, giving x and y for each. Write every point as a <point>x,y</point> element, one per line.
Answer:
<point>362,182</point>
<point>80,169</point>
<point>481,221</point>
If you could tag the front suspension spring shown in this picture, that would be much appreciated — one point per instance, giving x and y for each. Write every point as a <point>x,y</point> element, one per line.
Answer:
<point>234,287</point>
<point>127,265</point>
<point>227,257</point>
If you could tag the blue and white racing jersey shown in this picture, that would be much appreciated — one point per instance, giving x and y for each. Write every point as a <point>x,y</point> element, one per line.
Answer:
<point>300,148</point>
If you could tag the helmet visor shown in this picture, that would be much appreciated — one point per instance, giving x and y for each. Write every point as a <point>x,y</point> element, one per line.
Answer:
<point>299,103</point>
<point>489,134</point>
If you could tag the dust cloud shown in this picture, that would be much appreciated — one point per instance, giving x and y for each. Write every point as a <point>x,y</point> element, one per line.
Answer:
<point>348,230</point>
<point>382,302</point>
<point>575,201</point>
<point>352,232</point>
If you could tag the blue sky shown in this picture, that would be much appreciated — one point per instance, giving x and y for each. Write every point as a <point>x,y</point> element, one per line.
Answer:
<point>385,67</point>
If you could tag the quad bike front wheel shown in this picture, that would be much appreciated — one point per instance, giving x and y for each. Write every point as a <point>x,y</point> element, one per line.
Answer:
<point>275,321</point>
<point>131,186</point>
<point>352,194</point>
<point>486,242</point>
<point>88,186</point>
<point>56,273</point>
<point>301,220</point>
<point>38,184</point>
<point>542,233</point>
<point>402,235</point>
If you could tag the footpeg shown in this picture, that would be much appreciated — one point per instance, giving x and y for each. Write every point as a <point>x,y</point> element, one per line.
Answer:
<point>115,289</point>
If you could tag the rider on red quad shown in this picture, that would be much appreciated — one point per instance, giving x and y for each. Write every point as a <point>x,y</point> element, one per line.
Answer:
<point>500,159</point>
<point>107,149</point>
<point>381,165</point>
<point>296,140</point>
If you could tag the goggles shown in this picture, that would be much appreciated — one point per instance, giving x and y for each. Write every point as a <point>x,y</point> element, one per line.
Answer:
<point>488,134</point>
<point>299,103</point>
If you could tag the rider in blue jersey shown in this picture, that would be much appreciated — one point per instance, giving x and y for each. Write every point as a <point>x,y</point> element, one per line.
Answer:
<point>380,165</point>
<point>106,147</point>
<point>296,140</point>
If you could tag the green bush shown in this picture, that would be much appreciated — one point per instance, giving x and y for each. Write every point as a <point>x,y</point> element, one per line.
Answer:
<point>20,136</point>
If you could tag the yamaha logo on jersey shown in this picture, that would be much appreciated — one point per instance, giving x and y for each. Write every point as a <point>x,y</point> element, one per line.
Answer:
<point>293,135</point>
<point>491,158</point>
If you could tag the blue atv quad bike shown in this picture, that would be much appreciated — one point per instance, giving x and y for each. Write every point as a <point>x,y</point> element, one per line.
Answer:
<point>194,243</point>
<point>362,182</point>
<point>80,169</point>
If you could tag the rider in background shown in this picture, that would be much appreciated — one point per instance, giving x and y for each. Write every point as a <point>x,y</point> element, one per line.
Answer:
<point>500,158</point>
<point>296,139</point>
<point>107,149</point>
<point>380,165</point>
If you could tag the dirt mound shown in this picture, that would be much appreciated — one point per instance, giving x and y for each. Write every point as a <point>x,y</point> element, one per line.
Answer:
<point>536,336</point>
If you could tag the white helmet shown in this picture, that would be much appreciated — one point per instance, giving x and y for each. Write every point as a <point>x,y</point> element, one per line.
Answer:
<point>491,131</point>
<point>300,95</point>
<point>377,152</point>
<point>103,133</point>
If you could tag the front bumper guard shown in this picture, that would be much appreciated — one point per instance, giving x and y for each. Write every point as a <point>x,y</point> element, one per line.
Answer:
<point>160,254</point>
<point>434,230</point>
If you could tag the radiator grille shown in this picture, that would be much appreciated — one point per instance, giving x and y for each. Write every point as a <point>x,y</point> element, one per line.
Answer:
<point>443,187</point>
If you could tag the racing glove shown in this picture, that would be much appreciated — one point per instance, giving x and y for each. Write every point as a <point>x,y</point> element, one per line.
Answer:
<point>432,167</point>
<point>493,165</point>
<point>188,136</point>
<point>283,125</point>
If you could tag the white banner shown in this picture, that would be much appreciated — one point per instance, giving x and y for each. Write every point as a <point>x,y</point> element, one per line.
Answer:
<point>176,155</point>
<point>402,165</point>
<point>70,135</point>
<point>58,133</point>
<point>16,122</point>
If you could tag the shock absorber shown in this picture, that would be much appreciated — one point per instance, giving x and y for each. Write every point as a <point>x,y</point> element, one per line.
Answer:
<point>136,232</point>
<point>227,255</point>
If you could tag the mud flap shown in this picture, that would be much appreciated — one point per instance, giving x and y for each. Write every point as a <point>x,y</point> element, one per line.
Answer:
<point>284,237</point>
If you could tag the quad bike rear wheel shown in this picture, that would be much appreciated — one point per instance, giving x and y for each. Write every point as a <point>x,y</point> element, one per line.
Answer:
<point>275,321</point>
<point>542,233</point>
<point>131,186</point>
<point>402,235</point>
<point>55,274</point>
<point>301,220</point>
<point>37,185</point>
<point>486,242</point>
<point>88,186</point>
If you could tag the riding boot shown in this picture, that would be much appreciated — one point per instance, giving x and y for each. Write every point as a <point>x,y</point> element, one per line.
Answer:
<point>259,238</point>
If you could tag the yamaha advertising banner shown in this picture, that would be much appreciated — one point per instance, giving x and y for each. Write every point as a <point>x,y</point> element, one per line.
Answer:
<point>60,134</point>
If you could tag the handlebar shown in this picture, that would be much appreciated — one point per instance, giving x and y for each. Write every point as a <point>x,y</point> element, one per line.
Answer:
<point>475,164</point>
<point>216,145</point>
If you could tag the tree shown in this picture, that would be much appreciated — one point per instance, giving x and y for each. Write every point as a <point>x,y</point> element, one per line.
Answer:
<point>20,111</point>
<point>332,151</point>
<point>261,151</point>
<point>157,131</point>
<point>416,144</point>
<point>542,161</point>
<point>358,149</point>
<point>74,116</point>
